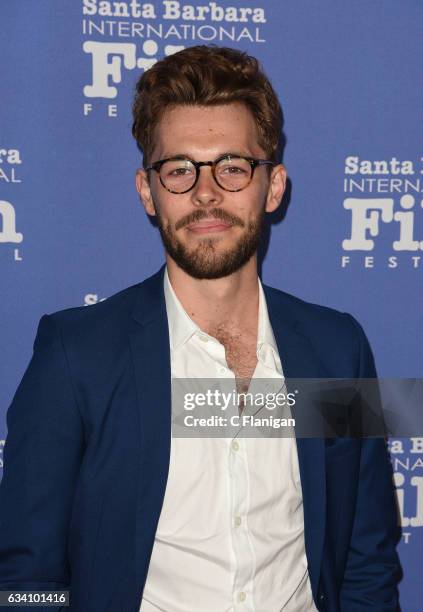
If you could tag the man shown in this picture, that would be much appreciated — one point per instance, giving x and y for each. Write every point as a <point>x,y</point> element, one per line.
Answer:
<point>97,496</point>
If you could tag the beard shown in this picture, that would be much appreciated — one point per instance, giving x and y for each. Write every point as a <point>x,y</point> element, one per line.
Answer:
<point>205,261</point>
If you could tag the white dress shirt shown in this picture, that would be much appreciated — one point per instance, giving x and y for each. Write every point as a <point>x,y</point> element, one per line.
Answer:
<point>230,537</point>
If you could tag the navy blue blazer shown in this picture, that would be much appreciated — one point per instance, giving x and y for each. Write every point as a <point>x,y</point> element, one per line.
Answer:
<point>87,454</point>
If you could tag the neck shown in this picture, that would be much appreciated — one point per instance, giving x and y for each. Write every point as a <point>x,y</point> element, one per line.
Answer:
<point>231,301</point>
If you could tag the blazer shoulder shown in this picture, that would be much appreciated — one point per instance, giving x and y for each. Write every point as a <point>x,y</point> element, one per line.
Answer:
<point>309,312</point>
<point>104,318</point>
<point>333,333</point>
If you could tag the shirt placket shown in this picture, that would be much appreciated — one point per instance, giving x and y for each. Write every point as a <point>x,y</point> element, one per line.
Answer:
<point>243,552</point>
<point>239,491</point>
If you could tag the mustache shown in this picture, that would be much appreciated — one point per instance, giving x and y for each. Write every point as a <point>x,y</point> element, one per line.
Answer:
<point>213,213</point>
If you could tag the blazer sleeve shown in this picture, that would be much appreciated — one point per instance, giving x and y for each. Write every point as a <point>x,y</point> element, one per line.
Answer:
<point>42,455</point>
<point>373,568</point>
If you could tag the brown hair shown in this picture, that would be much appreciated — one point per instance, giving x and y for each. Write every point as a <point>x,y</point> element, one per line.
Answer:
<point>207,75</point>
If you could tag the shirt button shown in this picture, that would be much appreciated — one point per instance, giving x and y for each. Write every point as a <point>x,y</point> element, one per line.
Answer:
<point>235,445</point>
<point>242,596</point>
<point>203,338</point>
<point>222,370</point>
<point>238,521</point>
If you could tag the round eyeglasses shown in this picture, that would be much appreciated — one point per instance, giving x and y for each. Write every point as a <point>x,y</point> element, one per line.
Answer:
<point>231,173</point>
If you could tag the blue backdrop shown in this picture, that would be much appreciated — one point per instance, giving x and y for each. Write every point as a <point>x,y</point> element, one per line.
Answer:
<point>72,230</point>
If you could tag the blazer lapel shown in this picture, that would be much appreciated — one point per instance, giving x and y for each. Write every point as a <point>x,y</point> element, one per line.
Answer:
<point>299,361</point>
<point>151,359</point>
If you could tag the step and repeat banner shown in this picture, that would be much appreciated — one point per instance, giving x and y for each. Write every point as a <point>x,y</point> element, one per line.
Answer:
<point>73,231</point>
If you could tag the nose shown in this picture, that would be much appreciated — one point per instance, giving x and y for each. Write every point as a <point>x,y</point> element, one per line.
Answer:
<point>206,191</point>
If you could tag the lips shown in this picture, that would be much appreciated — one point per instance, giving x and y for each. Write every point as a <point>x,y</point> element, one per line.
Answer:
<point>211,225</point>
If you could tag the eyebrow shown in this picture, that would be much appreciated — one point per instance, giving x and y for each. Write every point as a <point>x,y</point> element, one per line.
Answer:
<point>225,153</point>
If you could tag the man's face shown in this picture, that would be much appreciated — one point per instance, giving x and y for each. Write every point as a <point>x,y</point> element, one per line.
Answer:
<point>210,232</point>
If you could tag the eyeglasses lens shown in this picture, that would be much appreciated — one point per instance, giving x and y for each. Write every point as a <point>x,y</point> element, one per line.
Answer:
<point>233,173</point>
<point>178,175</point>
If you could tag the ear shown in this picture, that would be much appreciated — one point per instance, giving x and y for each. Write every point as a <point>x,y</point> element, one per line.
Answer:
<point>276,188</point>
<point>143,188</point>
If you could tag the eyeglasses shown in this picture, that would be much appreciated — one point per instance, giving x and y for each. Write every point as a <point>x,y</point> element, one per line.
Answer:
<point>232,173</point>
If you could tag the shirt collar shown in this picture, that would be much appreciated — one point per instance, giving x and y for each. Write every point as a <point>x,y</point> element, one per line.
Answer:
<point>182,327</point>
